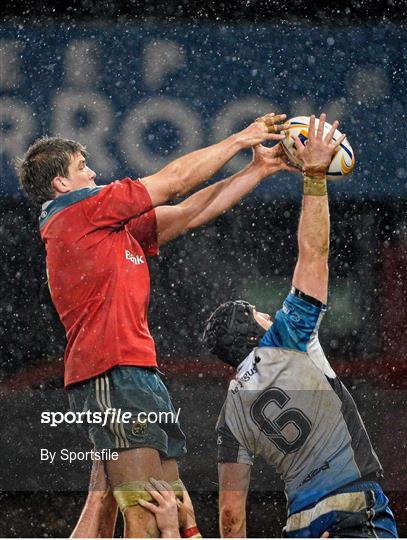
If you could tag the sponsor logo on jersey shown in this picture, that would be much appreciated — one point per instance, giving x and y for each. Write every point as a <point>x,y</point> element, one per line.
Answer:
<point>313,473</point>
<point>247,375</point>
<point>135,259</point>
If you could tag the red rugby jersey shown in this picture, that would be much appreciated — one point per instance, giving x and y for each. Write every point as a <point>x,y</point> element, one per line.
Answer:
<point>97,240</point>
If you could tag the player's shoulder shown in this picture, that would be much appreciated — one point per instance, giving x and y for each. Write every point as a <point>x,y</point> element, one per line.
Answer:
<point>126,181</point>
<point>52,208</point>
<point>121,181</point>
<point>127,190</point>
<point>295,322</point>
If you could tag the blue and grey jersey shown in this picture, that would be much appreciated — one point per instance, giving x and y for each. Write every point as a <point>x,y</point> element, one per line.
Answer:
<point>287,405</point>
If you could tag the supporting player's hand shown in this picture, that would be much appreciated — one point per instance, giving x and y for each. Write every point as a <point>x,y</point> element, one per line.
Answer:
<point>265,128</point>
<point>317,154</point>
<point>272,160</point>
<point>166,510</point>
<point>186,514</point>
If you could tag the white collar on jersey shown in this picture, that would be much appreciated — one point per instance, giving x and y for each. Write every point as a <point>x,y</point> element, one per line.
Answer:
<point>250,359</point>
<point>46,204</point>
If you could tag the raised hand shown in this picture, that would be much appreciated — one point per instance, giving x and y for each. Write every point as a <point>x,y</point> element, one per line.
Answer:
<point>272,160</point>
<point>265,128</point>
<point>317,154</point>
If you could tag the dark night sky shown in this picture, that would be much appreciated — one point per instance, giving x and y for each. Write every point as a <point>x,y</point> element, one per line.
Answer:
<point>344,11</point>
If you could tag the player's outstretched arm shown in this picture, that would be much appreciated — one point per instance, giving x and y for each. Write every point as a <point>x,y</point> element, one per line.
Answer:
<point>210,202</point>
<point>184,174</point>
<point>311,271</point>
<point>234,480</point>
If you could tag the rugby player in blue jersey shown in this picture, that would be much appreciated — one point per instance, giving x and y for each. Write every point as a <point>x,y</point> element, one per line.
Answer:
<point>286,403</point>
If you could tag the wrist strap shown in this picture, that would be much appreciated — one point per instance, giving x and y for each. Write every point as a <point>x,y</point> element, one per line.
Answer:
<point>315,186</point>
<point>192,532</point>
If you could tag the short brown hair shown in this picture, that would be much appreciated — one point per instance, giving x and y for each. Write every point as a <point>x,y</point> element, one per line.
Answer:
<point>47,158</point>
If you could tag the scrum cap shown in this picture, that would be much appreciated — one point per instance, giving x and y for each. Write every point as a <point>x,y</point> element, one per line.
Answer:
<point>232,332</point>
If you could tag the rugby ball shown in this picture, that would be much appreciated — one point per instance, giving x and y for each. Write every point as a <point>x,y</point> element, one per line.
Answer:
<point>343,160</point>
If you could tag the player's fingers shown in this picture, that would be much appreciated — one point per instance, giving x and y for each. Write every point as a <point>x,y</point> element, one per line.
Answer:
<point>165,485</point>
<point>339,141</point>
<point>276,128</point>
<point>160,485</point>
<point>164,488</point>
<point>298,143</point>
<point>154,493</point>
<point>269,118</point>
<point>311,128</point>
<point>275,137</point>
<point>263,118</point>
<point>275,119</point>
<point>156,482</point>
<point>331,132</point>
<point>149,506</point>
<point>321,126</point>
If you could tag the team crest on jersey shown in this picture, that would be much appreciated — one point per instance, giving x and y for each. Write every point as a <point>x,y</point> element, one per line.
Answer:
<point>139,428</point>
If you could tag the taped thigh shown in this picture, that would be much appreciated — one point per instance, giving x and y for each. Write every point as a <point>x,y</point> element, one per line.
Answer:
<point>130,493</point>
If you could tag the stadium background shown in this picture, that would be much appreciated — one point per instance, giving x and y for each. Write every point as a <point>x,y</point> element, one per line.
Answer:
<point>140,83</point>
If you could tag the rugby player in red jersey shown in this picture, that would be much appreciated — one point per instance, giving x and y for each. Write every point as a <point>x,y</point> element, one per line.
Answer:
<point>97,239</point>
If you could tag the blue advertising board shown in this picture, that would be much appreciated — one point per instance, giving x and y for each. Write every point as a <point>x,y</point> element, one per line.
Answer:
<point>141,95</point>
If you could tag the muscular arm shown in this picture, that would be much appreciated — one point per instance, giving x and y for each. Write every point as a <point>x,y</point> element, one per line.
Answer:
<point>205,205</point>
<point>234,480</point>
<point>209,203</point>
<point>311,271</point>
<point>184,174</point>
